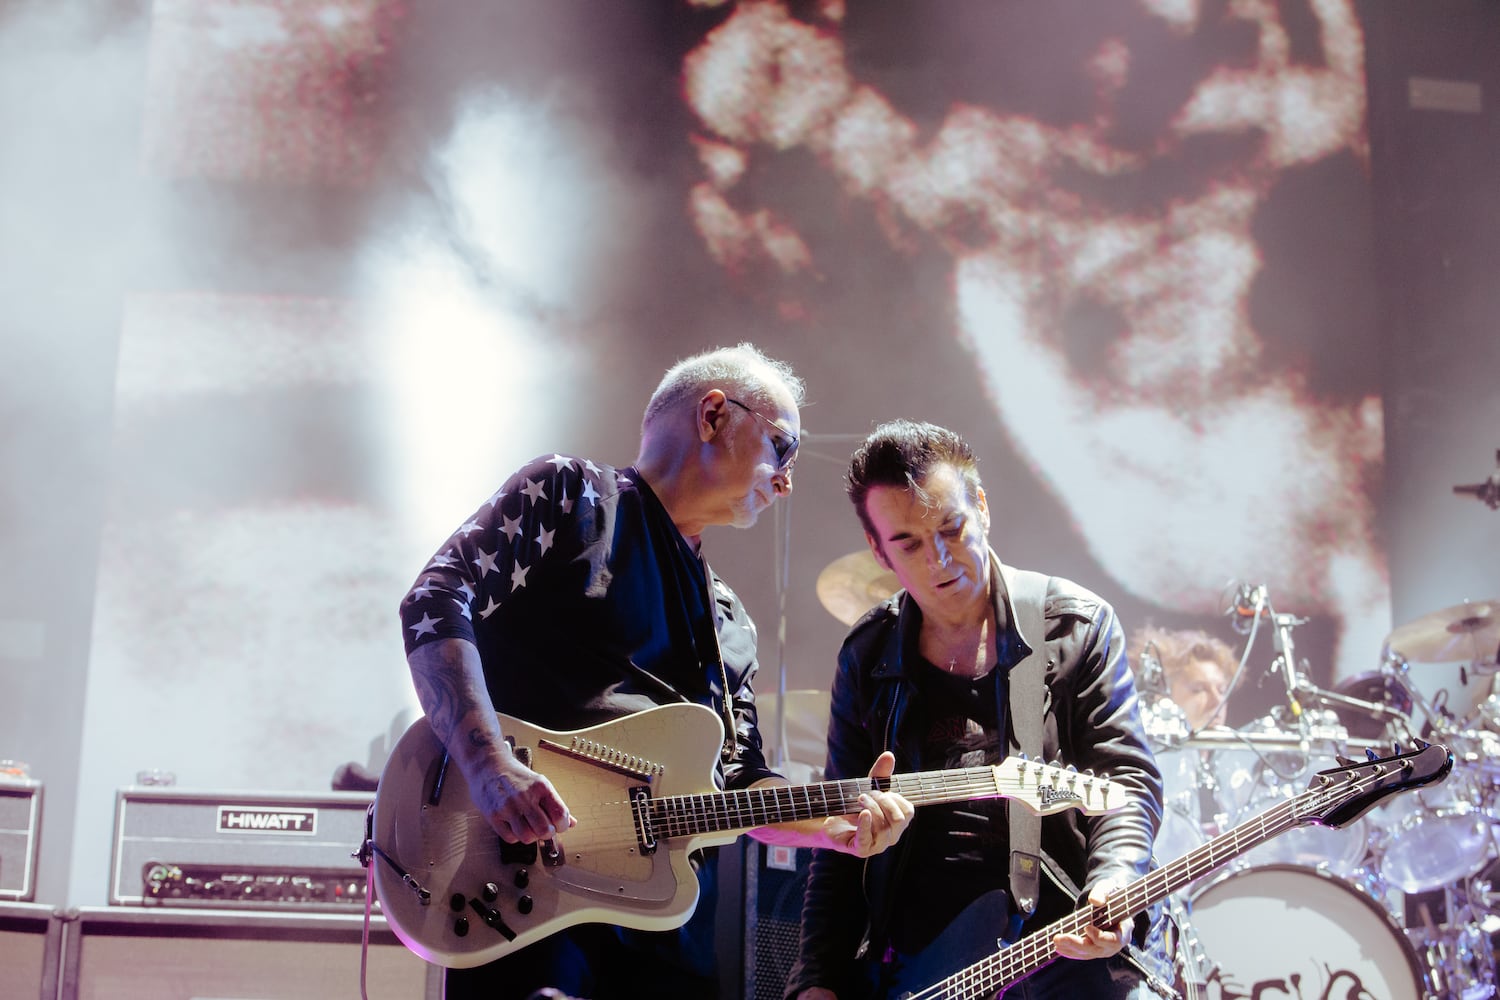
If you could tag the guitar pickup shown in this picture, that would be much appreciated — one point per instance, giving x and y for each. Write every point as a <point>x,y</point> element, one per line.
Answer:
<point>517,854</point>
<point>640,804</point>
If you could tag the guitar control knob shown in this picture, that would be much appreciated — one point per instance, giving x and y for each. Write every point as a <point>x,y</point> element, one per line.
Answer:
<point>522,878</point>
<point>489,892</point>
<point>456,902</point>
<point>461,926</point>
<point>524,904</point>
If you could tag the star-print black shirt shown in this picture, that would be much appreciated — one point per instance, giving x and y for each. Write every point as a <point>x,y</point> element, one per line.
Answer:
<point>586,603</point>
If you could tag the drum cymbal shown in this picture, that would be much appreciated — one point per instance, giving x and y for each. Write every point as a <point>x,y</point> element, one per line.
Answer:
<point>853,584</point>
<point>1465,632</point>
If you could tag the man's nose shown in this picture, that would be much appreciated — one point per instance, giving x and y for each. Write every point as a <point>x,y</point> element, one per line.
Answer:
<point>782,483</point>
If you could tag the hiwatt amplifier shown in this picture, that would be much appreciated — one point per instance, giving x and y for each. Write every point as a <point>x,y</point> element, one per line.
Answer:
<point>238,849</point>
<point>20,825</point>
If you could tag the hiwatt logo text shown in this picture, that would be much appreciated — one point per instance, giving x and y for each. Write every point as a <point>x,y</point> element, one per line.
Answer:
<point>269,819</point>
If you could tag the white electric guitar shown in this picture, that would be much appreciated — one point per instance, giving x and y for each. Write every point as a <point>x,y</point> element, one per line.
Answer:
<point>642,791</point>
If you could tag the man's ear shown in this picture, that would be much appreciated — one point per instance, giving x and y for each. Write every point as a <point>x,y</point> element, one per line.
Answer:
<point>875,550</point>
<point>712,413</point>
<point>982,503</point>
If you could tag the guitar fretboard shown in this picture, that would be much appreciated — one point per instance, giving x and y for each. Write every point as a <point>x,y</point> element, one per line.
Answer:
<point>988,976</point>
<point>686,815</point>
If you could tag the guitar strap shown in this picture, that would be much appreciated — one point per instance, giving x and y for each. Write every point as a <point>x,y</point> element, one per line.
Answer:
<point>1025,704</point>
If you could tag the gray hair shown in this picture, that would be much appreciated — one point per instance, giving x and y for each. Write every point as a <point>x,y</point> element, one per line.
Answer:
<point>741,371</point>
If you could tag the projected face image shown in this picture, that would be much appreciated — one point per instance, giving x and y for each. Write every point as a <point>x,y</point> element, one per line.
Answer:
<point>1114,275</point>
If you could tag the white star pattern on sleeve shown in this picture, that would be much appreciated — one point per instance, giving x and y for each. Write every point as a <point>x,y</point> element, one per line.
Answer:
<point>589,493</point>
<point>485,563</point>
<point>427,626</point>
<point>495,498</point>
<point>443,559</point>
<point>421,590</point>
<point>535,489</point>
<point>564,504</point>
<point>560,461</point>
<point>518,576</point>
<point>591,467</point>
<point>544,539</point>
<point>489,608</point>
<point>468,528</point>
<point>511,527</point>
<point>466,590</point>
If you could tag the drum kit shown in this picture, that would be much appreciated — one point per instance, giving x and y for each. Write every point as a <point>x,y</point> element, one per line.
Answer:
<point>1399,904</point>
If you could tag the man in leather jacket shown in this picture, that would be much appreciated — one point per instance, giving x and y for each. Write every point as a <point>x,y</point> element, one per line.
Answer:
<point>927,675</point>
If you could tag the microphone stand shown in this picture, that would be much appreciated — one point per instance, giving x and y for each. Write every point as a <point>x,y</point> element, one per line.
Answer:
<point>1286,661</point>
<point>1487,491</point>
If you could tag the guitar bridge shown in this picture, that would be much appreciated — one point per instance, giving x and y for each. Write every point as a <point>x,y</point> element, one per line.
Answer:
<point>640,805</point>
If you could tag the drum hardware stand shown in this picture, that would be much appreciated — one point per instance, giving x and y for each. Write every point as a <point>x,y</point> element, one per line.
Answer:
<point>1286,662</point>
<point>1487,491</point>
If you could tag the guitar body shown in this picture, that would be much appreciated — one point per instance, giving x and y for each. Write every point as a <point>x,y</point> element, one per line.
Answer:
<point>975,933</point>
<point>426,823</point>
<point>642,791</point>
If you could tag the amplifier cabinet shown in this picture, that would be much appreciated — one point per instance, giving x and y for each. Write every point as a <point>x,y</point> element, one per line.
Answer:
<point>259,850</point>
<point>117,953</point>
<point>20,825</point>
<point>30,951</point>
<point>775,879</point>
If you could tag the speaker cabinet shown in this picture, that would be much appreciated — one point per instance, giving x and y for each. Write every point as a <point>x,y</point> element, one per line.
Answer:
<point>775,878</point>
<point>20,824</point>
<point>115,953</point>
<point>30,949</point>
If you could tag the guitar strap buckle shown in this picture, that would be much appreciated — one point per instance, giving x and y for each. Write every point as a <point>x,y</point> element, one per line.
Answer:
<point>1025,881</point>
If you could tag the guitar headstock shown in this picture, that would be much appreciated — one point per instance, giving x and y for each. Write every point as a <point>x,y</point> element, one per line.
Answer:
<point>1046,788</point>
<point>1340,795</point>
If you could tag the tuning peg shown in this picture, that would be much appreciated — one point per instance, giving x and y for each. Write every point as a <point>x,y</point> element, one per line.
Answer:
<point>1343,761</point>
<point>1395,749</point>
<point>1420,744</point>
<point>1370,754</point>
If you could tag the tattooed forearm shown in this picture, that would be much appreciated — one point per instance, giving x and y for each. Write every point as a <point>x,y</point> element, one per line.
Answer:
<point>450,686</point>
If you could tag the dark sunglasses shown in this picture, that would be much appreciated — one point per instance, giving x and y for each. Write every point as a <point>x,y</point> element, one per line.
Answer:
<point>785,444</point>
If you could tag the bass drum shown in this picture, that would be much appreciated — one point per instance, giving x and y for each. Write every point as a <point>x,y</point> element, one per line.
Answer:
<point>1281,930</point>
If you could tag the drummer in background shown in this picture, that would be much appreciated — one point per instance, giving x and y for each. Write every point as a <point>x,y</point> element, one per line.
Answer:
<point>1190,667</point>
<point>1184,678</point>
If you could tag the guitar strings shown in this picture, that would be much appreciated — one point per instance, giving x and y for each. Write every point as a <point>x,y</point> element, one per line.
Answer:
<point>987,976</point>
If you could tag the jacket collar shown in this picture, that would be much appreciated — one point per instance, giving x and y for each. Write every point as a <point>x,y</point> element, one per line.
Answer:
<point>1012,647</point>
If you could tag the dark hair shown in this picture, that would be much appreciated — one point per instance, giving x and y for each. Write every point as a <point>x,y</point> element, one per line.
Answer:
<point>901,453</point>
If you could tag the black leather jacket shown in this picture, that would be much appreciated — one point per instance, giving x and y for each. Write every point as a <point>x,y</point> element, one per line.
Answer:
<point>1091,720</point>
